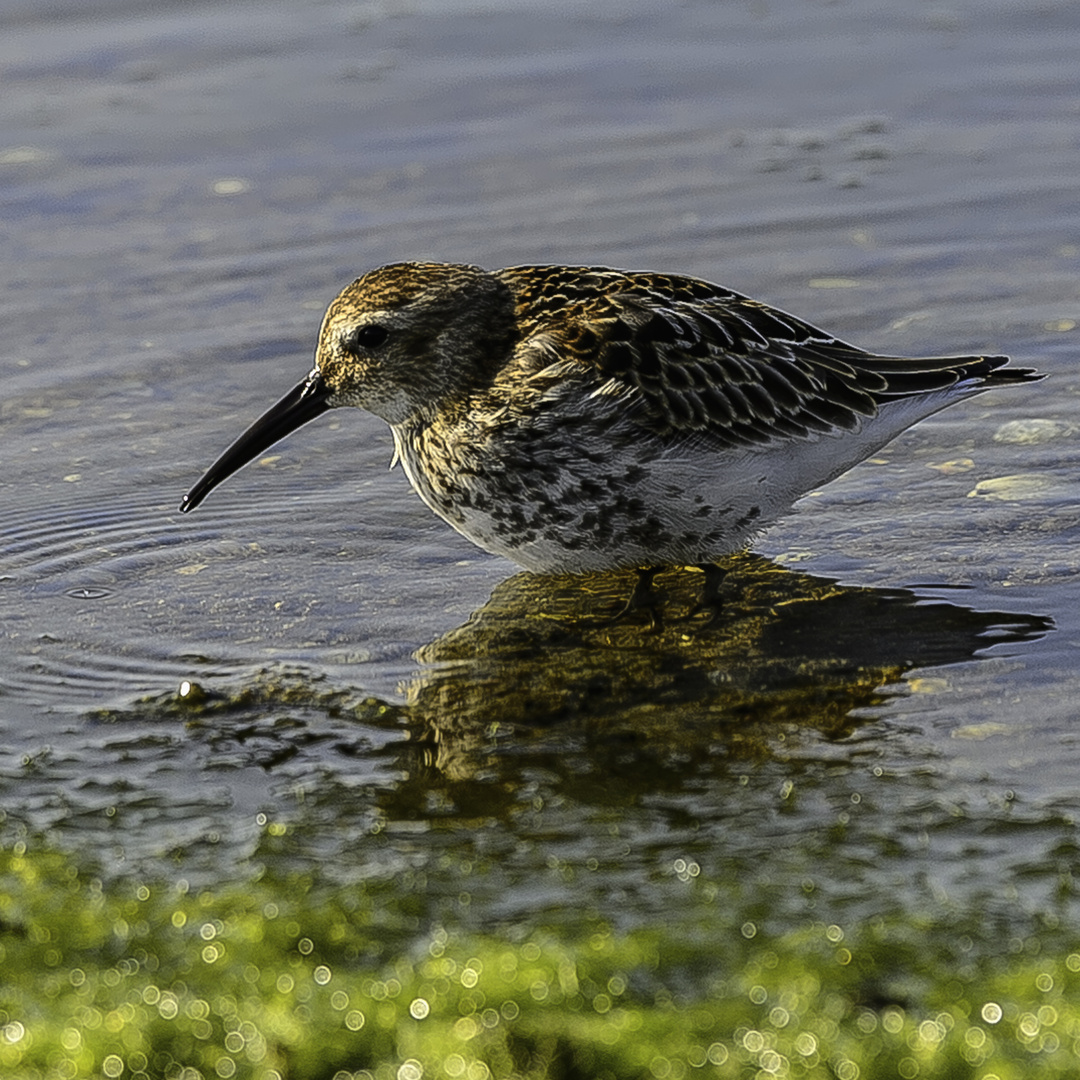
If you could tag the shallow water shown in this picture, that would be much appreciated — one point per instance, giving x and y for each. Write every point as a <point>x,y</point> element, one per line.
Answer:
<point>882,721</point>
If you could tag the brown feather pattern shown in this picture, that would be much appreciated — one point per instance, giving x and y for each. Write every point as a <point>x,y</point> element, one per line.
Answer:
<point>695,358</point>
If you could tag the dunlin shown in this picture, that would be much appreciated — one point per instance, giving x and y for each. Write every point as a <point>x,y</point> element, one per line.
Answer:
<point>581,418</point>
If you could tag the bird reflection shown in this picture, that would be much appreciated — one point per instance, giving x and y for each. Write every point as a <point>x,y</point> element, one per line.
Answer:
<point>789,653</point>
<point>541,690</point>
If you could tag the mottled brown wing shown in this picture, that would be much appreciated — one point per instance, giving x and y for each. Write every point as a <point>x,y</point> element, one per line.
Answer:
<point>689,356</point>
<point>745,373</point>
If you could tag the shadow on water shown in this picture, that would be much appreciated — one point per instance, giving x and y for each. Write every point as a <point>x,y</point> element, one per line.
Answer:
<point>538,678</point>
<point>535,677</point>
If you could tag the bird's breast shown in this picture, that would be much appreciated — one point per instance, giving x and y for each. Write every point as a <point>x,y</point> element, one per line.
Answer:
<point>564,501</point>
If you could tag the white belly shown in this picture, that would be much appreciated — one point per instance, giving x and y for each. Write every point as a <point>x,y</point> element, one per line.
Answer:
<point>562,506</point>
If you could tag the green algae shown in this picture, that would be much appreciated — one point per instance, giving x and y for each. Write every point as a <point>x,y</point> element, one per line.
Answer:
<point>289,978</point>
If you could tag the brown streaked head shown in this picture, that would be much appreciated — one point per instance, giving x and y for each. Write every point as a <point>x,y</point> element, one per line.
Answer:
<point>401,342</point>
<point>403,339</point>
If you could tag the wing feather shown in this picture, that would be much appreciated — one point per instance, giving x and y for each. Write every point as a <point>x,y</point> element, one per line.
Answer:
<point>689,357</point>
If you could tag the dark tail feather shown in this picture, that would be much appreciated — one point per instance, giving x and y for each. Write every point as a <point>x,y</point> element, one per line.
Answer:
<point>918,376</point>
<point>998,375</point>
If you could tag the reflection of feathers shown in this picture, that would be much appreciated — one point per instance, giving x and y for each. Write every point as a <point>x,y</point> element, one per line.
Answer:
<point>790,652</point>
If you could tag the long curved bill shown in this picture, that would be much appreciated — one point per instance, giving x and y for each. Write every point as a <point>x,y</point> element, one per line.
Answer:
<point>302,403</point>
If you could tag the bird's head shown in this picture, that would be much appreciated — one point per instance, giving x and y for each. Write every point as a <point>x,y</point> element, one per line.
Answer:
<point>404,342</point>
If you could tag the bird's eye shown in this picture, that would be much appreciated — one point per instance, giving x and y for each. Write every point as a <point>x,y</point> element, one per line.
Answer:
<point>368,337</point>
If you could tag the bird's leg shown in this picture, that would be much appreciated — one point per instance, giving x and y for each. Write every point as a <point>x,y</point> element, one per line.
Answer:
<point>643,598</point>
<point>711,600</point>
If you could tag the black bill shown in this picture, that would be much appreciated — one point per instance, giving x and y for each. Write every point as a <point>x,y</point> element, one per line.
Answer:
<point>301,404</point>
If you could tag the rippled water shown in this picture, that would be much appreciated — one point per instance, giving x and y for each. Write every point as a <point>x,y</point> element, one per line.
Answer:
<point>883,718</point>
